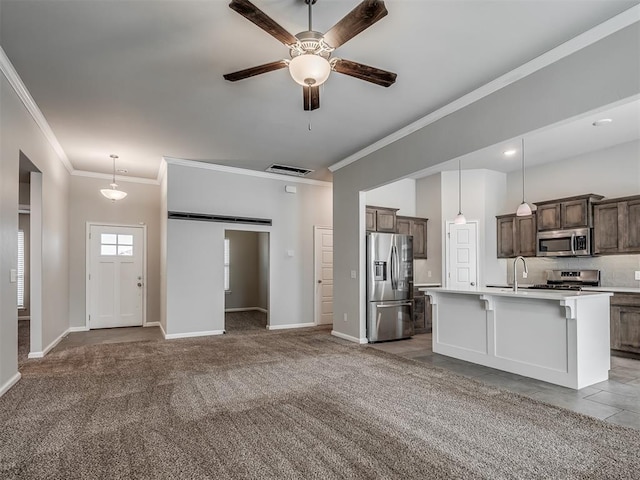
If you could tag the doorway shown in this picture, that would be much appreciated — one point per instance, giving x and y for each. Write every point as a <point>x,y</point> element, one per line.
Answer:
<point>116,272</point>
<point>323,267</point>
<point>462,255</point>
<point>246,281</point>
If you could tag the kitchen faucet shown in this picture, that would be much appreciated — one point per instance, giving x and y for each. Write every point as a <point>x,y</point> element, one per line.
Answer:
<point>515,276</point>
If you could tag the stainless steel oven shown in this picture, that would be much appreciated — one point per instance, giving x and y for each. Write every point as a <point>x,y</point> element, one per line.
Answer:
<point>573,242</point>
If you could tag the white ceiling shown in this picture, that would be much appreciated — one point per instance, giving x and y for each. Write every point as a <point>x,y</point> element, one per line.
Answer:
<point>143,79</point>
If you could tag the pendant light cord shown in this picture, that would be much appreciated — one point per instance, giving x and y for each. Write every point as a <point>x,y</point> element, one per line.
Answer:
<point>459,188</point>
<point>523,170</point>
<point>309,2</point>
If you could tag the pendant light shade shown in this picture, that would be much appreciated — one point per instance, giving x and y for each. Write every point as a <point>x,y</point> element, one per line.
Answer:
<point>460,218</point>
<point>113,193</point>
<point>523,209</point>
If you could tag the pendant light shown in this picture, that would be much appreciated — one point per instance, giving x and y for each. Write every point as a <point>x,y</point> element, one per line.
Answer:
<point>459,220</point>
<point>523,209</point>
<point>113,193</point>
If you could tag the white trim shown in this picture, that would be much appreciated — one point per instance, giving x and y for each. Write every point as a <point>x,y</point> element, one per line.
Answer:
<point>245,309</point>
<point>151,324</point>
<point>344,336</point>
<point>244,171</point>
<point>119,178</point>
<point>88,265</point>
<point>164,334</point>
<point>162,171</point>
<point>77,329</point>
<point>10,383</point>
<point>447,251</point>
<point>27,100</point>
<point>173,336</point>
<point>291,325</point>
<point>50,346</point>
<point>597,33</point>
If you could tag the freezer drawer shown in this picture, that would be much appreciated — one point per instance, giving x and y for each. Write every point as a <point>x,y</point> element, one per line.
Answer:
<point>389,320</point>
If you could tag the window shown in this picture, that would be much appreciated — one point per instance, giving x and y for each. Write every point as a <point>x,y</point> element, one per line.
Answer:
<point>226,264</point>
<point>20,269</point>
<point>116,244</point>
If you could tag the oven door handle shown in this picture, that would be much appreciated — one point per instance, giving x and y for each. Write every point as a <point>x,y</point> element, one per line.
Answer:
<point>573,243</point>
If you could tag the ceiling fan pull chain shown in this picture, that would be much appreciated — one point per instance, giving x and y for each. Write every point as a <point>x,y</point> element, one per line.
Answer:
<point>309,108</point>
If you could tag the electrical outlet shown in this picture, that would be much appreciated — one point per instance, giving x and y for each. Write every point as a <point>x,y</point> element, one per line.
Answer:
<point>637,274</point>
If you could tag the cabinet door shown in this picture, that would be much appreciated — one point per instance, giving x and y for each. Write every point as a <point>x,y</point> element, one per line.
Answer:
<point>526,231</point>
<point>506,244</point>
<point>386,221</point>
<point>419,232</point>
<point>418,313</point>
<point>428,318</point>
<point>575,214</point>
<point>548,216</point>
<point>629,226</point>
<point>403,227</point>
<point>625,328</point>
<point>605,228</point>
<point>370,220</point>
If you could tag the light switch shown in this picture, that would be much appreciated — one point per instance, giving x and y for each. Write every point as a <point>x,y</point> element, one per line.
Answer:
<point>353,274</point>
<point>637,274</point>
<point>13,275</point>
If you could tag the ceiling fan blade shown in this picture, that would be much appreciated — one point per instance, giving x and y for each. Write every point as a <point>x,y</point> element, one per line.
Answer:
<point>253,71</point>
<point>364,72</point>
<point>360,18</point>
<point>252,13</point>
<point>311,98</point>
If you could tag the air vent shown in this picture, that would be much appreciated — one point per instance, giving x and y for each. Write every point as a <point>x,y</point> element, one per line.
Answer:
<point>287,170</point>
<point>205,217</point>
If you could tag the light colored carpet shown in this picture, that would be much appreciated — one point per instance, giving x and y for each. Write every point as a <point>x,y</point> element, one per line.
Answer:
<point>286,405</point>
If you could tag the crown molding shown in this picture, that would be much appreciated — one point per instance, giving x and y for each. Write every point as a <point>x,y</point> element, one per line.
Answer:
<point>597,33</point>
<point>244,171</point>
<point>119,178</point>
<point>162,171</point>
<point>19,87</point>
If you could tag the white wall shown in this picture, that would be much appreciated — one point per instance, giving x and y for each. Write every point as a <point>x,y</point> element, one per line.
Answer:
<point>612,172</point>
<point>195,289</point>
<point>429,205</point>
<point>140,206</point>
<point>400,194</point>
<point>20,133</point>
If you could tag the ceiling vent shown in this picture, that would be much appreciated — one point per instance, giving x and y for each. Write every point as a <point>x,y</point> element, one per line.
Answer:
<point>287,170</point>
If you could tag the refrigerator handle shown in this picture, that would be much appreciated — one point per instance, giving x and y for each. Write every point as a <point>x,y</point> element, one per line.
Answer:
<point>394,267</point>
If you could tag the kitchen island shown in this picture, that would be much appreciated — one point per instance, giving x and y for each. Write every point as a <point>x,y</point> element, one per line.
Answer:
<point>557,337</point>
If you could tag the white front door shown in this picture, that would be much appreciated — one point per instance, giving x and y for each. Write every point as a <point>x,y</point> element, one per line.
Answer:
<point>324,275</point>
<point>462,253</point>
<point>116,283</point>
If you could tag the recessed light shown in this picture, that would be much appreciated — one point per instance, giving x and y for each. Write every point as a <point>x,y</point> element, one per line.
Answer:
<point>602,122</point>
<point>510,153</point>
<point>122,170</point>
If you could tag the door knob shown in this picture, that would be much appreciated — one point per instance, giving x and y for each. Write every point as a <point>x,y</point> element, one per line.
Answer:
<point>319,281</point>
<point>139,284</point>
<point>473,284</point>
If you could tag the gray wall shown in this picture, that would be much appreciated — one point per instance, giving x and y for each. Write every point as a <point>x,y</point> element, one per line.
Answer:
<point>429,205</point>
<point>141,206</point>
<point>263,270</point>
<point>244,270</point>
<point>19,132</point>
<point>603,73</point>
<point>195,288</point>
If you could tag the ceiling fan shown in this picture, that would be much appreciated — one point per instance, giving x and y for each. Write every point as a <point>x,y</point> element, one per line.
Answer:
<point>310,51</point>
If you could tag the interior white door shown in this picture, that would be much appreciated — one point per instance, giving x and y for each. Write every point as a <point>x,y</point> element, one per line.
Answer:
<point>324,275</point>
<point>116,283</point>
<point>462,256</point>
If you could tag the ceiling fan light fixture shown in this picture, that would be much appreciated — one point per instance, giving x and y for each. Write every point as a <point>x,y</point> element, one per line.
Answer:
<point>309,70</point>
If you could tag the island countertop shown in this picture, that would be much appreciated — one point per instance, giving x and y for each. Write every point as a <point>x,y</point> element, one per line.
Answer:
<point>522,293</point>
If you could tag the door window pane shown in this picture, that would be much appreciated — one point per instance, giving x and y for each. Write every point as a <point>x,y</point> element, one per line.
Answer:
<point>107,249</point>
<point>125,250</point>
<point>125,239</point>
<point>108,238</point>
<point>116,244</point>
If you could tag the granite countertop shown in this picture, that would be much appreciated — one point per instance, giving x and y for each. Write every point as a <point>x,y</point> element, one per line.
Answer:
<point>586,289</point>
<point>522,293</point>
<point>427,284</point>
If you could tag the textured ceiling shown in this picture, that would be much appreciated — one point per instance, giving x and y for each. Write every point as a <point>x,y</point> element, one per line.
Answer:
<point>143,79</point>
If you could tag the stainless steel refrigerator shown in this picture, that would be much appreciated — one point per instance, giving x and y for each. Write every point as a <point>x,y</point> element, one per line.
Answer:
<point>389,286</point>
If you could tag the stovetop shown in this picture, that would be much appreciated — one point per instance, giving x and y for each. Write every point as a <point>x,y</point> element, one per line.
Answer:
<point>547,286</point>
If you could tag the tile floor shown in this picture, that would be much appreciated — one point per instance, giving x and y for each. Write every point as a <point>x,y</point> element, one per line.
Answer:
<point>616,400</point>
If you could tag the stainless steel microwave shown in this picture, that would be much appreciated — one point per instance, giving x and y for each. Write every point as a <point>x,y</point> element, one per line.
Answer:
<point>573,242</point>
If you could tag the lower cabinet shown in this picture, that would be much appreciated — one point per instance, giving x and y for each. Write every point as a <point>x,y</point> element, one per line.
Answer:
<point>421,312</point>
<point>625,323</point>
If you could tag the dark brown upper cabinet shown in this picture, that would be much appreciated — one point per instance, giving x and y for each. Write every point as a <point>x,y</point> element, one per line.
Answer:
<point>617,226</point>
<point>380,219</point>
<point>571,212</point>
<point>418,228</point>
<point>516,235</point>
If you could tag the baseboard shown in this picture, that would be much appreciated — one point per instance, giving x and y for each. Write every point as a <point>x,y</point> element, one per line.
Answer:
<point>51,345</point>
<point>292,325</point>
<point>84,328</point>
<point>344,336</point>
<point>172,336</point>
<point>164,334</point>
<point>151,324</point>
<point>10,383</point>
<point>245,309</point>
